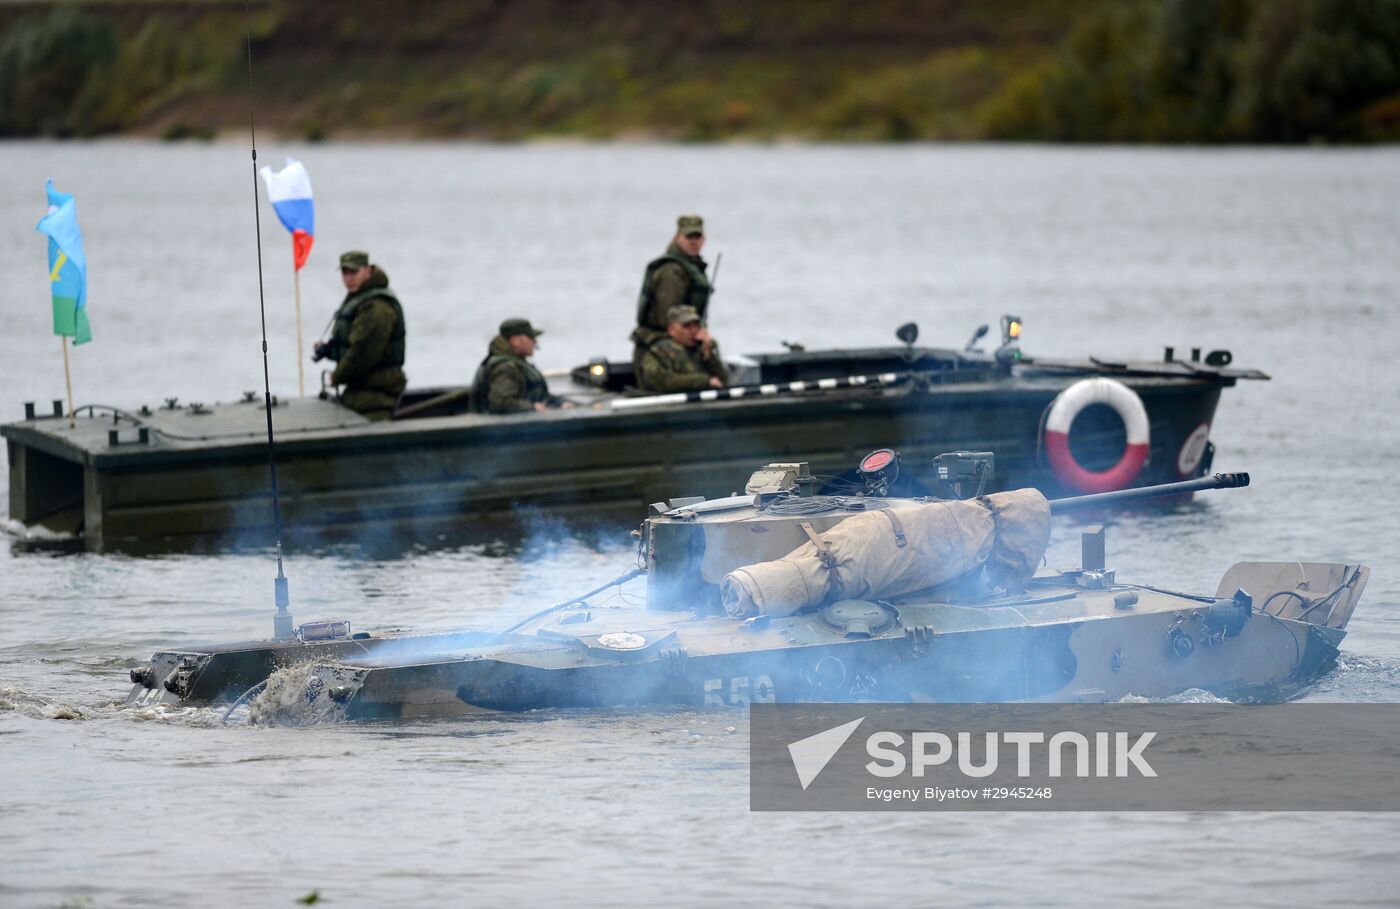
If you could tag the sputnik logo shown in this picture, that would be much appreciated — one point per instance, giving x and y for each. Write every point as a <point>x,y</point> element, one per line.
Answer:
<point>811,755</point>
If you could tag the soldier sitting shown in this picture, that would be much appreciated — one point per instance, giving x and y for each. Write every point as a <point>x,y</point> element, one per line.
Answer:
<point>506,381</point>
<point>686,359</point>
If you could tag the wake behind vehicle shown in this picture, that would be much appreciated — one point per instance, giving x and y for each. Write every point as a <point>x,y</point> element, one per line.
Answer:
<point>174,475</point>
<point>782,594</point>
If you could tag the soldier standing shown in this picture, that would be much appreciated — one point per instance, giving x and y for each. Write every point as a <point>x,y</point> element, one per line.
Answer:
<point>367,340</point>
<point>676,278</point>
<point>687,359</point>
<point>506,381</point>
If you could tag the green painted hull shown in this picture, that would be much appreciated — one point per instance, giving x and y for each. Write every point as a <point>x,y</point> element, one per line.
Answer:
<point>199,477</point>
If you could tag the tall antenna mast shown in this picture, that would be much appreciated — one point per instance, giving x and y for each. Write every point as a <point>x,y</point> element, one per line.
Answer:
<point>282,618</point>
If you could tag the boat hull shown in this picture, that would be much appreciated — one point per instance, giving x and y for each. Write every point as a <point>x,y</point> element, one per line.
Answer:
<point>201,479</point>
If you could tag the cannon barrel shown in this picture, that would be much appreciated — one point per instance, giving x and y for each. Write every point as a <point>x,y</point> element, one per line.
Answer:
<point>1216,481</point>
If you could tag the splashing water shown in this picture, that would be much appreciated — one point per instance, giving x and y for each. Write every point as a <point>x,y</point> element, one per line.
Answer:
<point>290,699</point>
<point>37,534</point>
<point>37,707</point>
<point>1189,696</point>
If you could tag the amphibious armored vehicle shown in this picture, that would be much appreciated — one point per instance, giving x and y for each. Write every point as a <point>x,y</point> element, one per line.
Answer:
<point>779,594</point>
<point>191,474</point>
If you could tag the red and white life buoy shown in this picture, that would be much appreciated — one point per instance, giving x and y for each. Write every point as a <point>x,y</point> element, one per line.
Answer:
<point>1067,406</point>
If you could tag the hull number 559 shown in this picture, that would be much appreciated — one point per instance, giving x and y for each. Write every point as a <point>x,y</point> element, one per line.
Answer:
<point>739,691</point>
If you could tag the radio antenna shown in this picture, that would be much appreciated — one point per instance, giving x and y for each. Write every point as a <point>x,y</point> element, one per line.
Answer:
<point>282,618</point>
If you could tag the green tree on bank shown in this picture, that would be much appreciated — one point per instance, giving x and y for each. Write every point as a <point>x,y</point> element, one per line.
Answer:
<point>67,72</point>
<point>1214,71</point>
<point>47,70</point>
<point>885,70</point>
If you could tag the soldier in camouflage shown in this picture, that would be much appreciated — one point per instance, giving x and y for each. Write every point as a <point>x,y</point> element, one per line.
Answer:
<point>682,361</point>
<point>367,340</point>
<point>676,278</point>
<point>506,381</point>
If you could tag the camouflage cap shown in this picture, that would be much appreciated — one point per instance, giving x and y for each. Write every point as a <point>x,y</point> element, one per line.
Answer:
<point>683,314</point>
<point>690,224</point>
<point>355,258</point>
<point>519,327</point>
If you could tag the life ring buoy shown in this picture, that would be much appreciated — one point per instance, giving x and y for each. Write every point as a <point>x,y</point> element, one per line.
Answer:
<point>1067,405</point>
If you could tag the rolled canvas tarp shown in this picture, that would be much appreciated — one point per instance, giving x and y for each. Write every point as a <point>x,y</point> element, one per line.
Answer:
<point>895,551</point>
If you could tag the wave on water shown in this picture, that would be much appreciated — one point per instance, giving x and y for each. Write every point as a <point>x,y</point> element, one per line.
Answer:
<point>1189,696</point>
<point>1354,679</point>
<point>17,700</point>
<point>36,706</point>
<point>36,534</point>
<point>172,714</point>
<point>1359,678</point>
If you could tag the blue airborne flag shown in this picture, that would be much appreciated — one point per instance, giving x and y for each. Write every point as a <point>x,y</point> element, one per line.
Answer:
<point>67,266</point>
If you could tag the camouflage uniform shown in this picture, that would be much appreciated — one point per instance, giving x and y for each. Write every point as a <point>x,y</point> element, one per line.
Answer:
<point>667,366</point>
<point>671,366</point>
<point>673,279</point>
<point>506,382</point>
<point>367,344</point>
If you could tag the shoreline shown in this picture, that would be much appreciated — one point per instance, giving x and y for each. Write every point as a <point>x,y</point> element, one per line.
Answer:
<point>370,139</point>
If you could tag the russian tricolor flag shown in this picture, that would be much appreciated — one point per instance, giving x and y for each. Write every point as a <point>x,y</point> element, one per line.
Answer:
<point>290,192</point>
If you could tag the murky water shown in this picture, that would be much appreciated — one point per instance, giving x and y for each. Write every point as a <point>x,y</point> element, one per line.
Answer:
<point>1285,257</point>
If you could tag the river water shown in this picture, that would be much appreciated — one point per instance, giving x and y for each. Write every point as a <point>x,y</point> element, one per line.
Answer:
<point>1286,257</point>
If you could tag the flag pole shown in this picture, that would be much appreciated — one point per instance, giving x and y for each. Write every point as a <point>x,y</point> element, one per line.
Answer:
<point>68,378</point>
<point>301,369</point>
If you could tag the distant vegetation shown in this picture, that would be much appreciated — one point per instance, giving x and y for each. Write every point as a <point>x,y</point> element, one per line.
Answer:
<point>1214,71</point>
<point>882,70</point>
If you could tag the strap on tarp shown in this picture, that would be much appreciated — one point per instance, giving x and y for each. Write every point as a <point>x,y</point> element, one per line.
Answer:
<point>823,546</point>
<point>899,539</point>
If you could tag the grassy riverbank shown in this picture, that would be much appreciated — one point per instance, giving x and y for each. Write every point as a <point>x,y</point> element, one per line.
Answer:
<point>882,70</point>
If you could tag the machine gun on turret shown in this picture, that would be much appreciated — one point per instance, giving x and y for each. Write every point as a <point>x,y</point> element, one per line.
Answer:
<point>1120,496</point>
<point>956,468</point>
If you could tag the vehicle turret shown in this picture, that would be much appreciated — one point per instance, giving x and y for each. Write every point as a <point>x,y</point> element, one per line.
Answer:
<point>690,544</point>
